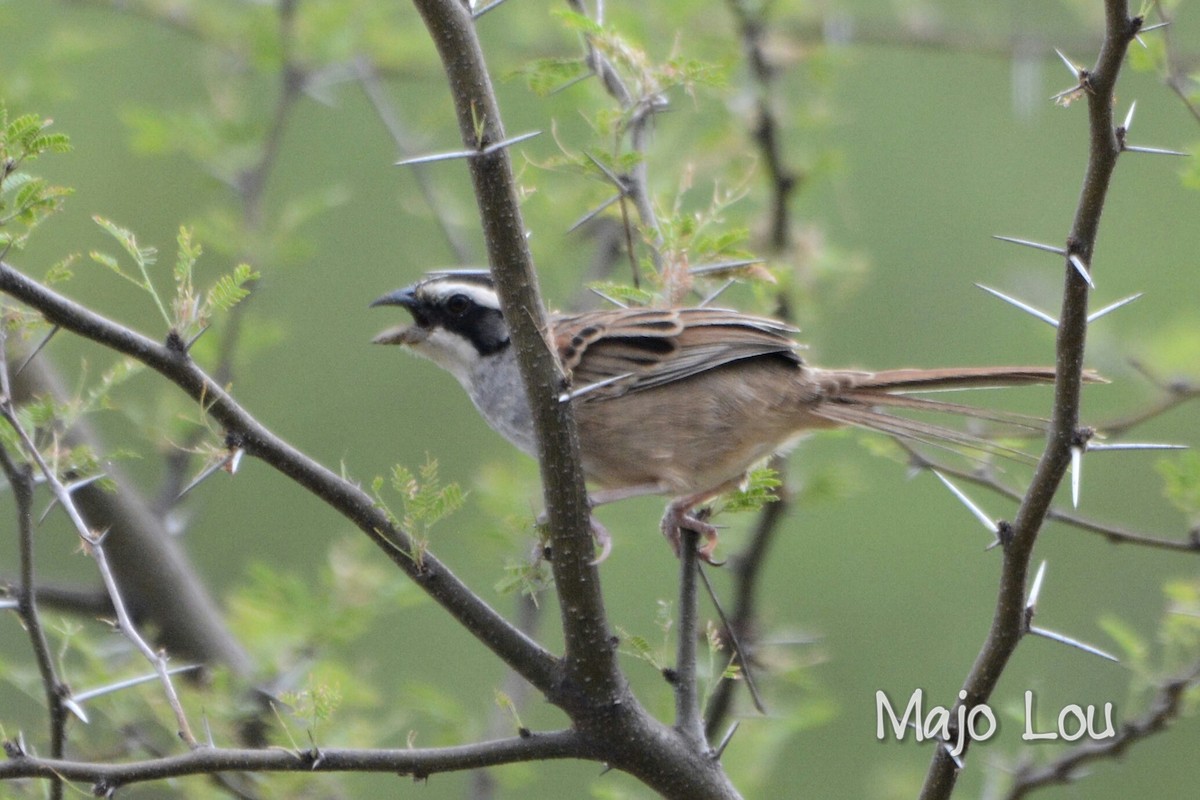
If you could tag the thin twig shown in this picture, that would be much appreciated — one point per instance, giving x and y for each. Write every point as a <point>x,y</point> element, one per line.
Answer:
<point>94,545</point>
<point>388,114</point>
<point>417,762</point>
<point>1167,704</point>
<point>1113,533</point>
<point>783,182</point>
<point>639,112</point>
<point>20,479</point>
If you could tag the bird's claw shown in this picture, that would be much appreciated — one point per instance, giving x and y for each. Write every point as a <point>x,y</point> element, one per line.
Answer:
<point>677,520</point>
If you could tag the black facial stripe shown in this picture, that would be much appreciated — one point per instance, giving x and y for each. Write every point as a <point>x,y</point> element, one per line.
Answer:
<point>481,326</point>
<point>461,314</point>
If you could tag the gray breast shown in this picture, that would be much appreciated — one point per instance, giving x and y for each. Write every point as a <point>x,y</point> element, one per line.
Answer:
<point>497,392</point>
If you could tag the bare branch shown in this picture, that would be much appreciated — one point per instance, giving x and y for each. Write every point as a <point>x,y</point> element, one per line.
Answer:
<point>590,656</point>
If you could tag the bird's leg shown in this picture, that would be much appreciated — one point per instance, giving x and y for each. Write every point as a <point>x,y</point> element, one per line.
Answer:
<point>606,496</point>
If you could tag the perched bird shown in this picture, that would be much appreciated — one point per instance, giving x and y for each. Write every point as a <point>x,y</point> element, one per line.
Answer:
<point>675,401</point>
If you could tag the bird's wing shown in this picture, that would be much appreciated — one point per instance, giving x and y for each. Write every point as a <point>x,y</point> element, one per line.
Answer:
<point>629,350</point>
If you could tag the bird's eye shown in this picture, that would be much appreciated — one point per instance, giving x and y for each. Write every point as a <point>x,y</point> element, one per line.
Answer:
<point>458,304</point>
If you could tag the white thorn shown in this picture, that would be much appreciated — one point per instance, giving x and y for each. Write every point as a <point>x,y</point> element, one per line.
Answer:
<point>1100,448</point>
<point>1067,640</point>
<point>70,705</point>
<point>1028,309</point>
<point>1076,474</point>
<point>1081,268</point>
<point>408,162</point>
<point>717,292</point>
<point>1036,589</point>
<point>1129,117</point>
<point>724,266</point>
<point>966,501</point>
<point>479,12</point>
<point>949,748</point>
<point>509,142</point>
<point>1113,307</point>
<point>1156,151</point>
<point>1154,27</point>
<point>81,697</point>
<point>566,397</point>
<point>1070,64</point>
<point>593,213</point>
<point>1049,248</point>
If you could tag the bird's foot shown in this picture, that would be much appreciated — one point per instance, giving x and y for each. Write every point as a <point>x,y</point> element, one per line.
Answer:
<point>679,518</point>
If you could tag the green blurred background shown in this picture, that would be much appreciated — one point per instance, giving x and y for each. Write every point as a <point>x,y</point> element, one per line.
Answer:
<point>916,155</point>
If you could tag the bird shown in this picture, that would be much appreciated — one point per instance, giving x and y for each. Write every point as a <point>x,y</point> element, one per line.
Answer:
<point>678,401</point>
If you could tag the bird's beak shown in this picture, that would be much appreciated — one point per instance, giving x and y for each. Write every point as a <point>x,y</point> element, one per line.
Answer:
<point>406,297</point>
<point>402,334</point>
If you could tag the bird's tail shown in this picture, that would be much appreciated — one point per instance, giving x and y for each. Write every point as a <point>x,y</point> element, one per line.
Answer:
<point>869,400</point>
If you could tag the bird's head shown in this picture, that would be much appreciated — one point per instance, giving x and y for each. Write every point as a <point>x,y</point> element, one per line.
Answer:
<point>456,319</point>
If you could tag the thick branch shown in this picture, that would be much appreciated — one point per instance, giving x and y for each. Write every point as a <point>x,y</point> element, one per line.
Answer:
<point>590,659</point>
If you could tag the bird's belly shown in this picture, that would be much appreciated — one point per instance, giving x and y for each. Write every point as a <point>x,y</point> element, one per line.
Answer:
<point>687,442</point>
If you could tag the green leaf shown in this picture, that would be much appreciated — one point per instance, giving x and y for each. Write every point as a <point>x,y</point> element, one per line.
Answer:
<point>187,253</point>
<point>759,490</point>
<point>229,290</point>
<point>578,22</point>
<point>106,260</point>
<point>142,256</point>
<point>546,75</point>
<point>624,293</point>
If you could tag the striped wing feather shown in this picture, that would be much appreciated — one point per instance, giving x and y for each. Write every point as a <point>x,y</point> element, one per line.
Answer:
<point>647,348</point>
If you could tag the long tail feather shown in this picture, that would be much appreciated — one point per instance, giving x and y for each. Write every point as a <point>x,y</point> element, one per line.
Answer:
<point>861,416</point>
<point>864,400</point>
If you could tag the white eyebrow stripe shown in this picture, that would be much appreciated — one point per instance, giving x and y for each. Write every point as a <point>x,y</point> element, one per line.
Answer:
<point>480,295</point>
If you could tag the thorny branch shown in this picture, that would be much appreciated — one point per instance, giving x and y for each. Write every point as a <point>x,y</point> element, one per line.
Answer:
<point>1008,626</point>
<point>417,762</point>
<point>1113,533</point>
<point>20,480</point>
<point>94,546</point>
<point>640,111</point>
